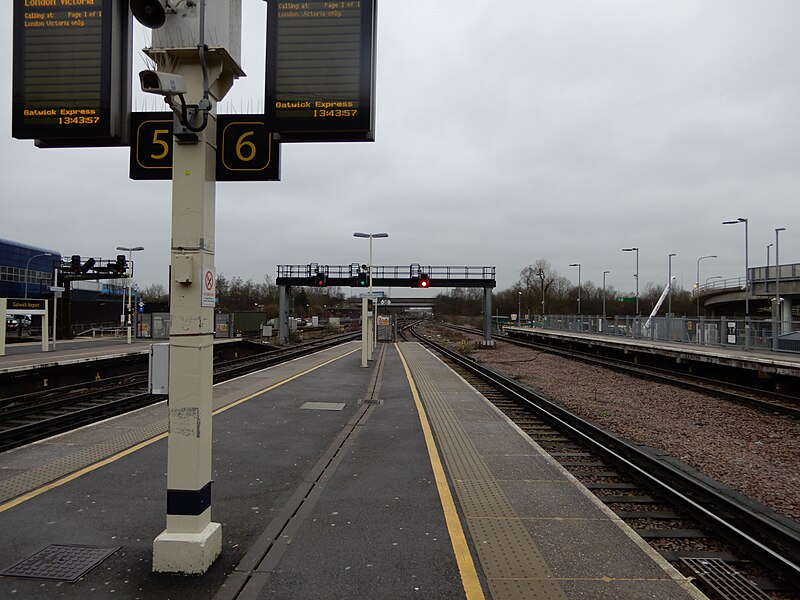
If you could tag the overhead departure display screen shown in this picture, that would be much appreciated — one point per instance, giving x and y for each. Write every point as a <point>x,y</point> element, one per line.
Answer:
<point>320,69</point>
<point>68,69</point>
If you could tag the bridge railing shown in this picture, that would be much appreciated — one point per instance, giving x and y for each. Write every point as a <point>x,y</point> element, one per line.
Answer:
<point>756,274</point>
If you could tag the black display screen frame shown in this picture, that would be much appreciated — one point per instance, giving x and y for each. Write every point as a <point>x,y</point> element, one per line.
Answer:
<point>306,127</point>
<point>111,96</point>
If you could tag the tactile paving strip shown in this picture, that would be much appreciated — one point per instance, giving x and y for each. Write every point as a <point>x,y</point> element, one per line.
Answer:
<point>39,476</point>
<point>511,561</point>
<point>60,562</point>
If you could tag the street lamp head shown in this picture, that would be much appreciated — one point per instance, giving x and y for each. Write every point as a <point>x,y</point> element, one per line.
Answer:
<point>777,229</point>
<point>606,272</point>
<point>629,249</point>
<point>134,249</point>
<point>673,254</point>
<point>358,234</point>
<point>575,265</point>
<point>734,222</point>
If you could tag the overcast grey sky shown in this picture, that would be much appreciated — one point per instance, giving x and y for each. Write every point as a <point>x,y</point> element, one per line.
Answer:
<point>505,132</point>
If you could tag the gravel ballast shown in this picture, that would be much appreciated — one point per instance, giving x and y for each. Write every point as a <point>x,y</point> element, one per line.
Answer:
<point>747,449</point>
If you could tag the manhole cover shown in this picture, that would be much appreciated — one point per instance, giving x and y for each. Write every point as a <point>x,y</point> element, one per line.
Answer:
<point>60,562</point>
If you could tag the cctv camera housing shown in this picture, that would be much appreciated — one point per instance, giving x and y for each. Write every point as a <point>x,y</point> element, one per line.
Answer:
<point>150,13</point>
<point>159,82</point>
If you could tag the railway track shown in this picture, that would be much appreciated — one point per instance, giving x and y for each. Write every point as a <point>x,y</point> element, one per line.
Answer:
<point>733,546</point>
<point>34,416</point>
<point>758,398</point>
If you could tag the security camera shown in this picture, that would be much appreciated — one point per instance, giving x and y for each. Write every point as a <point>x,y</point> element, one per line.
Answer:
<point>159,82</point>
<point>151,13</point>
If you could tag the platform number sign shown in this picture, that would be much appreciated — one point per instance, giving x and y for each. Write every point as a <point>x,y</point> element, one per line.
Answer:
<point>151,145</point>
<point>246,149</point>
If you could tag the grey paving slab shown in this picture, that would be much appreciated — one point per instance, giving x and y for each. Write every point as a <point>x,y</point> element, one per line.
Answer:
<point>549,500</point>
<point>591,549</point>
<point>523,467</point>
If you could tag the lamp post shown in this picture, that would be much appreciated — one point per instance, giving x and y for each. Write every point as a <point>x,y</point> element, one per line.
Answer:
<point>579,285</point>
<point>541,277</point>
<point>604,298</point>
<point>777,322</point>
<point>766,272</point>
<point>27,265</point>
<point>712,277</point>
<point>669,283</point>
<point>697,281</point>
<point>636,276</point>
<point>366,330</point>
<point>130,252</point>
<point>746,280</point>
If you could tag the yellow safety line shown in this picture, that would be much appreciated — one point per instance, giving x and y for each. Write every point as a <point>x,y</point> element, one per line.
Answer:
<point>466,566</point>
<point>72,476</point>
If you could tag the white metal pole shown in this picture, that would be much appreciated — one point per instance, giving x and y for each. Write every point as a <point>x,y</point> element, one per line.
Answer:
<point>130,274</point>
<point>55,308</point>
<point>3,303</point>
<point>370,328</point>
<point>777,324</point>
<point>746,288</point>
<point>191,542</point>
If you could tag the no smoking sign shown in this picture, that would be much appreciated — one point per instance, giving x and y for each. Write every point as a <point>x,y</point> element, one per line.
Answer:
<point>209,279</point>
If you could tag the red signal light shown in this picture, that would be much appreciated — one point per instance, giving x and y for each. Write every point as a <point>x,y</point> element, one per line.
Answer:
<point>423,281</point>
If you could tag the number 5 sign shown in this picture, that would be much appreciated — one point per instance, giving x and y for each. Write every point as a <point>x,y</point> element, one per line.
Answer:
<point>246,150</point>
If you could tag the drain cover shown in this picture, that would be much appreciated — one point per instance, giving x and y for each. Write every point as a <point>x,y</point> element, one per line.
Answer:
<point>724,579</point>
<point>60,562</point>
<point>323,405</point>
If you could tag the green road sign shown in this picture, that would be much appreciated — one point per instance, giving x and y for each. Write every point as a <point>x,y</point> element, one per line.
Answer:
<point>626,298</point>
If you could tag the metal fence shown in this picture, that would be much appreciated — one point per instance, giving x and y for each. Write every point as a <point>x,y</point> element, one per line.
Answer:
<point>719,331</point>
<point>155,326</point>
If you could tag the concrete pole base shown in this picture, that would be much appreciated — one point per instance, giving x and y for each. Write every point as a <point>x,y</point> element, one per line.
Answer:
<point>487,344</point>
<point>187,553</point>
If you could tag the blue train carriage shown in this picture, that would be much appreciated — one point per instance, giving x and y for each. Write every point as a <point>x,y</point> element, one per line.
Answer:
<point>26,268</point>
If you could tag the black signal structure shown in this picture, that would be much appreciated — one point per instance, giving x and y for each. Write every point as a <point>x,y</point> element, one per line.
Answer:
<point>121,266</point>
<point>320,280</point>
<point>421,281</point>
<point>85,269</point>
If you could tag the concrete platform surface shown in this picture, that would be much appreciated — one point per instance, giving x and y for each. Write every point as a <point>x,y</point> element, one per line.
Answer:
<point>329,482</point>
